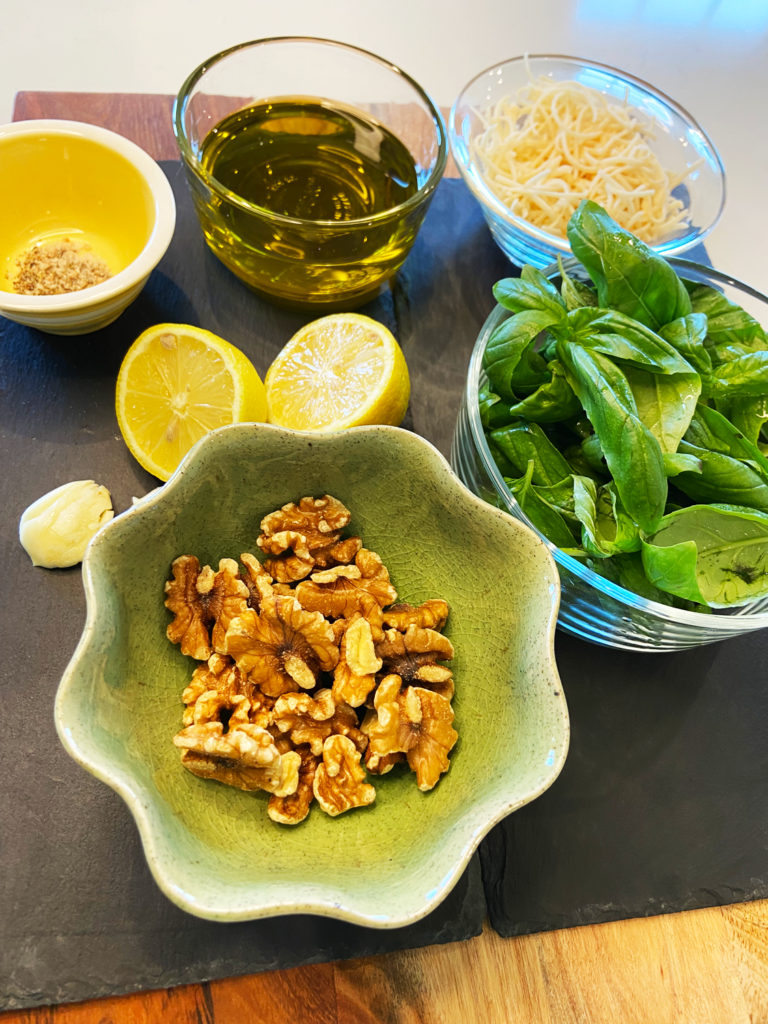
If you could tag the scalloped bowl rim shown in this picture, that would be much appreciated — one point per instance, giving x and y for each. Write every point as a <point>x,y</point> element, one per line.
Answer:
<point>162,871</point>
<point>487,199</point>
<point>701,620</point>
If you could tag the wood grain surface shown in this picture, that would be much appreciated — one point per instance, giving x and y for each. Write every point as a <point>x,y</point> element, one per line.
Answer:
<point>700,967</point>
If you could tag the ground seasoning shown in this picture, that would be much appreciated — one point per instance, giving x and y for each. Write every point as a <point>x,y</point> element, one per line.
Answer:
<point>59,267</point>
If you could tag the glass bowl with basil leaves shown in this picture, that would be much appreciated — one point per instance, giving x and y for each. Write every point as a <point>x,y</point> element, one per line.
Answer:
<point>617,403</point>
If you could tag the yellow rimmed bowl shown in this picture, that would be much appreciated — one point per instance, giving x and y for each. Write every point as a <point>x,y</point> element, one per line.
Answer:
<point>66,179</point>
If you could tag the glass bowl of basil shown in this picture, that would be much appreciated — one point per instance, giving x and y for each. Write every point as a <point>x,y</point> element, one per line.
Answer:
<point>617,403</point>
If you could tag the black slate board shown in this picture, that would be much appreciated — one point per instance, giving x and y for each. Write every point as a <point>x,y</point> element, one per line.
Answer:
<point>661,805</point>
<point>81,916</point>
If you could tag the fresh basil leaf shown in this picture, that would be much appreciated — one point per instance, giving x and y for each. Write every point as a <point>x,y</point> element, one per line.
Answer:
<point>506,346</point>
<point>560,495</point>
<point>606,529</point>
<point>580,426</point>
<point>745,377</point>
<point>726,322</point>
<point>676,463</point>
<point>593,453</point>
<point>726,437</point>
<point>748,416</point>
<point>531,291</point>
<point>673,568</point>
<point>722,479</point>
<point>493,412</point>
<point>578,463</point>
<point>717,551</point>
<point>625,340</point>
<point>505,467</point>
<point>630,277</point>
<point>627,571</point>
<point>703,436</point>
<point>575,293</point>
<point>531,372</point>
<point>632,453</point>
<point>551,402</point>
<point>526,443</point>
<point>728,353</point>
<point>544,517</point>
<point>665,403</point>
<point>687,335</point>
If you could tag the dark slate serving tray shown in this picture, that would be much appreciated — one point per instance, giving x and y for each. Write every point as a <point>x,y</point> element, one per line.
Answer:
<point>81,916</point>
<point>660,807</point>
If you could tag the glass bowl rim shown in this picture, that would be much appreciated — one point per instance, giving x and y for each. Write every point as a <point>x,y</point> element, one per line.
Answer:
<point>486,198</point>
<point>701,620</point>
<point>190,159</point>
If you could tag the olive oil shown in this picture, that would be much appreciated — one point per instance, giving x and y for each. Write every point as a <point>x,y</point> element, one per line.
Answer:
<point>311,184</point>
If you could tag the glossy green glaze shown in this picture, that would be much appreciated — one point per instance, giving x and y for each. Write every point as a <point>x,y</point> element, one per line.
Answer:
<point>212,849</point>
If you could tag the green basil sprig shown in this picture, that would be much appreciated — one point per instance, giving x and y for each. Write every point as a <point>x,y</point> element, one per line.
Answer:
<point>633,454</point>
<point>530,291</point>
<point>625,340</point>
<point>630,277</point>
<point>506,346</point>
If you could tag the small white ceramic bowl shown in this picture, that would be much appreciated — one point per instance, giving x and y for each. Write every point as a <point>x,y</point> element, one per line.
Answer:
<point>68,179</point>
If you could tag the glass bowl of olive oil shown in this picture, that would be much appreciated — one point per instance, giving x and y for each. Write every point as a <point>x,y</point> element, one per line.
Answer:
<point>311,165</point>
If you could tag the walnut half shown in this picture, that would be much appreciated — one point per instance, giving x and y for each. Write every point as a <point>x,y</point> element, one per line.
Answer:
<point>355,674</point>
<point>290,810</point>
<point>413,656</point>
<point>339,782</point>
<point>309,530</point>
<point>416,722</point>
<point>282,648</point>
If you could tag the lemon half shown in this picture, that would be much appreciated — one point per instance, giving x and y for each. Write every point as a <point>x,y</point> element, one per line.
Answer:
<point>175,384</point>
<point>342,371</point>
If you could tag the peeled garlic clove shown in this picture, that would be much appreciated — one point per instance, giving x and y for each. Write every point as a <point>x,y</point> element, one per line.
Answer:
<point>55,530</point>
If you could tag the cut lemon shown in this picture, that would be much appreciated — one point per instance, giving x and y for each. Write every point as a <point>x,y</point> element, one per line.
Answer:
<point>342,371</point>
<point>175,384</point>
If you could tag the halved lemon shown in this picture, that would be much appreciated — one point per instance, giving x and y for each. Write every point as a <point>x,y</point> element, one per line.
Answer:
<point>342,371</point>
<point>175,384</point>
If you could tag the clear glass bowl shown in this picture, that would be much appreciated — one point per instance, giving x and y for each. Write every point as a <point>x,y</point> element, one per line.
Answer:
<point>592,607</point>
<point>308,264</point>
<point>679,142</point>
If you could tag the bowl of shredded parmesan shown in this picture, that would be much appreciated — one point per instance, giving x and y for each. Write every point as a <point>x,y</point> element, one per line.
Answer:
<point>534,136</point>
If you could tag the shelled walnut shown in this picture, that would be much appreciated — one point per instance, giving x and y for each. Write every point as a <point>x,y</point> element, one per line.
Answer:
<point>309,674</point>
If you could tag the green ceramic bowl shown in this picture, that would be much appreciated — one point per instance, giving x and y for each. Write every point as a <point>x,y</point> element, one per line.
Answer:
<point>211,848</point>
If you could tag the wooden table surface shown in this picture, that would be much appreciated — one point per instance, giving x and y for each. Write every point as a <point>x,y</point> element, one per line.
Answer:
<point>700,967</point>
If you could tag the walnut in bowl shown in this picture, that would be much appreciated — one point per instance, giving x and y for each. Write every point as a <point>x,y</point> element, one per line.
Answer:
<point>119,701</point>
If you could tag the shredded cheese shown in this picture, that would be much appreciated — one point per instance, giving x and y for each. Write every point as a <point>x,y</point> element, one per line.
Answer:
<point>560,142</point>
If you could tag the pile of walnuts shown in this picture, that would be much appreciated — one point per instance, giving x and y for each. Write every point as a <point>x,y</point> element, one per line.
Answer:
<point>310,674</point>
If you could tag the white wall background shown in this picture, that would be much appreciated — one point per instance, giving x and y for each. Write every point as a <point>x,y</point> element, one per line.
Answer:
<point>710,55</point>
